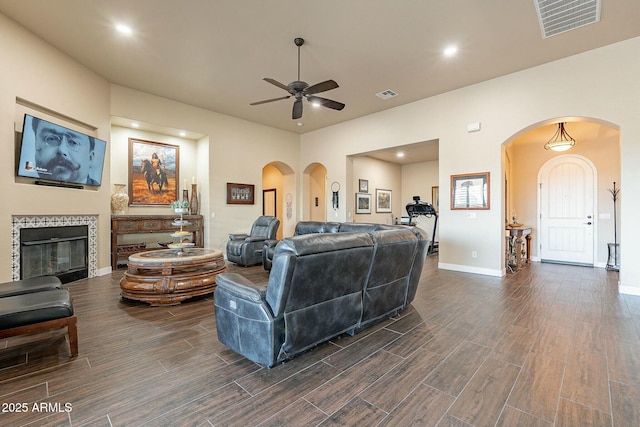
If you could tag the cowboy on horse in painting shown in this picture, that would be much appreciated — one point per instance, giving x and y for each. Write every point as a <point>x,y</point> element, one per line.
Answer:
<point>154,173</point>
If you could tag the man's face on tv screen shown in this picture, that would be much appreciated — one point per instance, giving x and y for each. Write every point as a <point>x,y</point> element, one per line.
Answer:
<point>62,154</point>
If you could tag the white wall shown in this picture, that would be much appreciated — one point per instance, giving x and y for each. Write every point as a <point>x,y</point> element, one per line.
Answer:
<point>600,84</point>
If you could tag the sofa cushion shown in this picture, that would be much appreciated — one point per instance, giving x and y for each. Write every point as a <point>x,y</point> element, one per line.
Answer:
<point>25,309</point>
<point>26,286</point>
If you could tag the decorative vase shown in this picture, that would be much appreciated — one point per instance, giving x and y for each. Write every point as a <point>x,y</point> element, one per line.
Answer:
<point>194,205</point>
<point>119,200</point>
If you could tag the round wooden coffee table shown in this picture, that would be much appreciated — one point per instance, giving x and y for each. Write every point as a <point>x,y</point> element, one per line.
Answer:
<point>170,276</point>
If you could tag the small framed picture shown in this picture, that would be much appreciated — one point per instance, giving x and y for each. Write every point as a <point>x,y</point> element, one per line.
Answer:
<point>383,200</point>
<point>470,191</point>
<point>363,203</point>
<point>363,185</point>
<point>240,194</point>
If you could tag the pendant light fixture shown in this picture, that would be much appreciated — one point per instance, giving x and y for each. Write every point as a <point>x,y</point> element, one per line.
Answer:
<point>561,140</point>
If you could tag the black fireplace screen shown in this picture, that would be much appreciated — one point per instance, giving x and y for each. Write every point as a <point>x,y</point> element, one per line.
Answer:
<point>54,251</point>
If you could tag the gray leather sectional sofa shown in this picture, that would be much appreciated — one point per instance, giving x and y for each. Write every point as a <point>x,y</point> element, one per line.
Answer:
<point>331,278</point>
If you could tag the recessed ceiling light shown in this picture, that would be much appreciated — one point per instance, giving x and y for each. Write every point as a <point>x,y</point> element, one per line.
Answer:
<point>135,125</point>
<point>450,51</point>
<point>124,29</point>
<point>183,133</point>
<point>300,124</point>
<point>400,154</point>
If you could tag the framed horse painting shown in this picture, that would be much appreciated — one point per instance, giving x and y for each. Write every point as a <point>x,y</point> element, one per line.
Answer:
<point>153,173</point>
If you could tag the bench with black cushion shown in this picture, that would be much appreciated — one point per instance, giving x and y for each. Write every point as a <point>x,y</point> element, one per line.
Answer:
<point>36,312</point>
<point>27,286</point>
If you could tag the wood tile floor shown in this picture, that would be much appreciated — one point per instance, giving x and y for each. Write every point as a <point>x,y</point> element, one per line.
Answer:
<point>550,345</point>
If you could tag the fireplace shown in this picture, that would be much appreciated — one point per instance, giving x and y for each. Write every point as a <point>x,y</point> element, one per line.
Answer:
<point>54,251</point>
<point>63,246</point>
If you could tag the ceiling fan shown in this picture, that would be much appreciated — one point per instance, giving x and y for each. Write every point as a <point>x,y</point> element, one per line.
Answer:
<point>299,89</point>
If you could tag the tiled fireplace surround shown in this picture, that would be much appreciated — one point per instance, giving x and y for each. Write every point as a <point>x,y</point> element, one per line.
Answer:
<point>18,222</point>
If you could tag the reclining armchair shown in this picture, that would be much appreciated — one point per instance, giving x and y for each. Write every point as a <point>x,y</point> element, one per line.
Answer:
<point>246,250</point>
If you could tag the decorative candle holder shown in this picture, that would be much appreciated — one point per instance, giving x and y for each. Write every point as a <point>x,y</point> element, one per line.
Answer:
<point>194,205</point>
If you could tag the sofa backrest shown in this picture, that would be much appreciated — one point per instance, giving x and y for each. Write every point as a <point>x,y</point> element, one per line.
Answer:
<point>265,227</point>
<point>316,283</point>
<point>386,290</point>
<point>418,263</point>
<point>309,227</point>
<point>351,227</point>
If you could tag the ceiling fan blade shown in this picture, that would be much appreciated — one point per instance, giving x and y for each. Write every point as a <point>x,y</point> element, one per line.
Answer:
<point>321,87</point>
<point>297,109</point>
<point>276,83</point>
<point>270,100</point>
<point>329,103</point>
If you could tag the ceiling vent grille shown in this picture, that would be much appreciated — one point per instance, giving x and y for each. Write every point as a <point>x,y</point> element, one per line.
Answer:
<point>386,94</point>
<point>559,16</point>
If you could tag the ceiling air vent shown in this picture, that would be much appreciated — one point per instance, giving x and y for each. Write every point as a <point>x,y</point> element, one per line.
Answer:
<point>386,94</point>
<point>559,16</point>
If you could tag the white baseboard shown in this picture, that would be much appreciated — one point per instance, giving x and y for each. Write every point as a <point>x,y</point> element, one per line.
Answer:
<point>468,269</point>
<point>104,271</point>
<point>629,290</point>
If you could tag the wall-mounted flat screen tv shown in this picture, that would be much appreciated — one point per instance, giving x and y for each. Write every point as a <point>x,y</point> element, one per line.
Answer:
<point>55,153</point>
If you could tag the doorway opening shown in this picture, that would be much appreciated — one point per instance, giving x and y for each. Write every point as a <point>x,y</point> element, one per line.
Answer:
<point>524,160</point>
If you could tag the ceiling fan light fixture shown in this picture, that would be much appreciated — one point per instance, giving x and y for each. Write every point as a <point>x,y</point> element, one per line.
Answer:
<point>561,140</point>
<point>300,89</point>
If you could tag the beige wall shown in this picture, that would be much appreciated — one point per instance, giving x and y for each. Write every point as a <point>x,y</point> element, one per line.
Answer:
<point>36,78</point>
<point>381,175</point>
<point>317,192</point>
<point>237,151</point>
<point>120,163</point>
<point>600,84</point>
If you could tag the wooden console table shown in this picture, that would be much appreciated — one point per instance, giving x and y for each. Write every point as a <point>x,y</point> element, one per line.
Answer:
<point>145,224</point>
<point>516,234</point>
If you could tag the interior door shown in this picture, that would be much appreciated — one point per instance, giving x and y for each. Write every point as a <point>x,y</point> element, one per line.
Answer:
<point>567,211</point>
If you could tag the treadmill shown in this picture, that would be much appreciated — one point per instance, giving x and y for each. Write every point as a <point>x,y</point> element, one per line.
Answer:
<point>417,208</point>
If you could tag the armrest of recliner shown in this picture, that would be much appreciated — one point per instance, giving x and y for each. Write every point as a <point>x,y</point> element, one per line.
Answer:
<point>270,243</point>
<point>241,287</point>
<point>254,239</point>
<point>240,236</point>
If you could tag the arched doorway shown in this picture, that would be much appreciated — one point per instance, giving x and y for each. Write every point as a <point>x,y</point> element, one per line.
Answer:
<point>524,156</point>
<point>278,188</point>
<point>315,193</point>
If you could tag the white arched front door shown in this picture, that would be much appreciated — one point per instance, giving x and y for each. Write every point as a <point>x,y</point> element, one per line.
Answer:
<point>567,210</point>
